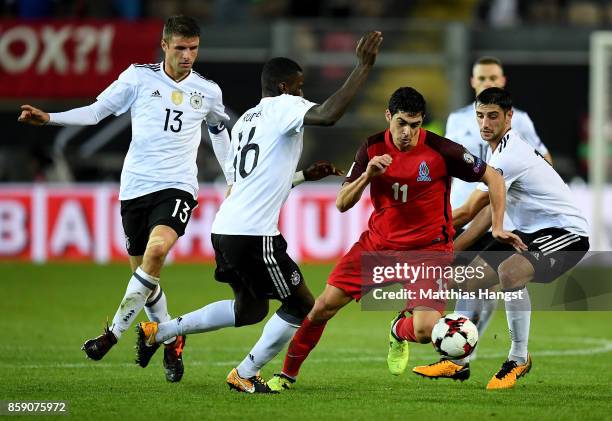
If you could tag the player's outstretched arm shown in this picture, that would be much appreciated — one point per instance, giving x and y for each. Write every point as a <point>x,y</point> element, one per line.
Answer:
<point>314,172</point>
<point>480,224</point>
<point>330,111</point>
<point>468,211</point>
<point>497,196</point>
<point>350,193</point>
<point>33,115</point>
<point>83,116</point>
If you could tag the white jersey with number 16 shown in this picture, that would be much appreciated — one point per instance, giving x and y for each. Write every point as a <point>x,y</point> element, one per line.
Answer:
<point>267,144</point>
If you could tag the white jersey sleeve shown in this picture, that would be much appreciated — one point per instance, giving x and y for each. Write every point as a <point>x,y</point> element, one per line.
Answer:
<point>116,99</point>
<point>83,116</point>
<point>523,125</point>
<point>121,94</point>
<point>509,167</point>
<point>216,114</point>
<point>291,110</point>
<point>219,135</point>
<point>455,127</point>
<point>537,197</point>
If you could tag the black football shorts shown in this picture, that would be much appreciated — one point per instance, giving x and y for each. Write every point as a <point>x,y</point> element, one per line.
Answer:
<point>551,251</point>
<point>171,207</point>
<point>259,263</point>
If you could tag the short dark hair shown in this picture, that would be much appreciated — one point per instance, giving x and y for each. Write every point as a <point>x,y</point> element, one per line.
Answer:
<point>489,60</point>
<point>495,96</point>
<point>277,70</point>
<point>407,100</point>
<point>180,25</point>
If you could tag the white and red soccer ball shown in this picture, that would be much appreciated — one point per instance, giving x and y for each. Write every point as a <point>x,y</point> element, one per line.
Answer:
<point>454,336</point>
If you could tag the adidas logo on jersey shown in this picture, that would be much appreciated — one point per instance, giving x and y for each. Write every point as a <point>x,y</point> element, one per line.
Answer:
<point>156,94</point>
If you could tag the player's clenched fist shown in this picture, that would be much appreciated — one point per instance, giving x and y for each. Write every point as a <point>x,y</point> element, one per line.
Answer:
<point>378,165</point>
<point>33,116</point>
<point>367,48</point>
<point>321,169</point>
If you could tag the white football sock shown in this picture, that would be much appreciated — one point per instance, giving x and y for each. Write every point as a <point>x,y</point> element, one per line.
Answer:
<point>276,334</point>
<point>214,316</point>
<point>157,309</point>
<point>138,290</point>
<point>518,315</point>
<point>468,307</point>
<point>486,312</point>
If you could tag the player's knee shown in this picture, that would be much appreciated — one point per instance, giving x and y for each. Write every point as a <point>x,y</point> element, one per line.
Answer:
<point>422,331</point>
<point>157,249</point>
<point>422,335</point>
<point>508,275</point>
<point>297,311</point>
<point>249,315</point>
<point>303,307</point>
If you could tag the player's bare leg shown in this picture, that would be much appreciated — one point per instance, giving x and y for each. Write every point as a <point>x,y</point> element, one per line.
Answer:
<point>144,282</point>
<point>416,328</point>
<point>307,336</point>
<point>514,273</point>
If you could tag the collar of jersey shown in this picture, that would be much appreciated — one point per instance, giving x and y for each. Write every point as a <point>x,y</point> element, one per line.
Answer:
<point>172,80</point>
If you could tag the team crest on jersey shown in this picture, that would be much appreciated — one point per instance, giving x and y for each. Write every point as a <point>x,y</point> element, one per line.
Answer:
<point>468,158</point>
<point>295,277</point>
<point>127,242</point>
<point>177,97</point>
<point>196,100</point>
<point>423,172</point>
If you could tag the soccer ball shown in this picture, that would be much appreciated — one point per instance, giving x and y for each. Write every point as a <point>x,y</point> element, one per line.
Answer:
<point>454,336</point>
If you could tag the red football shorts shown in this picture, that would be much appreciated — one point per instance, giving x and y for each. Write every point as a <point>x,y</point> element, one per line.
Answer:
<point>352,274</point>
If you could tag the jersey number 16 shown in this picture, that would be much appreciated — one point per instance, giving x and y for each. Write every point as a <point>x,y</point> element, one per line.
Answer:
<point>243,154</point>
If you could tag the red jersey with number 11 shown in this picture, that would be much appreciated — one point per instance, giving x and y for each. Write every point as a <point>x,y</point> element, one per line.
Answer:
<point>412,198</point>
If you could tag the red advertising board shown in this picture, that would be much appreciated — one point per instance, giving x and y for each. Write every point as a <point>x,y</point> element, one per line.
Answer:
<point>74,223</point>
<point>49,223</point>
<point>71,59</point>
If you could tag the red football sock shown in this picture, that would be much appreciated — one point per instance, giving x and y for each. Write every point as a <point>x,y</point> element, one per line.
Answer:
<point>304,340</point>
<point>405,329</point>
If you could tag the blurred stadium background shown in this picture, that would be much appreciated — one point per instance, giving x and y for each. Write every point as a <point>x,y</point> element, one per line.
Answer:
<point>58,189</point>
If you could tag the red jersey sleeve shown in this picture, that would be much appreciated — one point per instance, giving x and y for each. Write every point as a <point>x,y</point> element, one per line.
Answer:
<point>359,165</point>
<point>459,161</point>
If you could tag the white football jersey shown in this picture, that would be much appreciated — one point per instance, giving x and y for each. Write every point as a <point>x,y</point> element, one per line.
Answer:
<point>166,126</point>
<point>267,144</point>
<point>462,127</point>
<point>536,197</point>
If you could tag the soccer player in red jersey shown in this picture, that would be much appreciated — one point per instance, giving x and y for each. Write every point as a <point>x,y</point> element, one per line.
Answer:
<point>409,171</point>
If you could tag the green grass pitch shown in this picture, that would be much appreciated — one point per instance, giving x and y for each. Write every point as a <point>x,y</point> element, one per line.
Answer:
<point>49,311</point>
